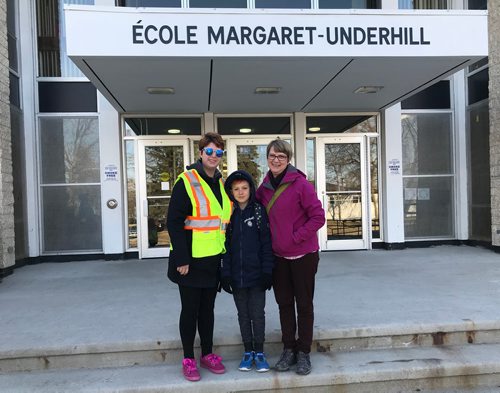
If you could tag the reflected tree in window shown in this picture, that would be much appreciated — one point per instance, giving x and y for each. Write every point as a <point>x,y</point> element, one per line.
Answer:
<point>343,186</point>
<point>81,153</point>
<point>248,161</point>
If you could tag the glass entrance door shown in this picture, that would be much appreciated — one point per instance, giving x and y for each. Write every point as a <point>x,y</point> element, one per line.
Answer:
<point>342,184</point>
<point>160,162</point>
<point>249,155</point>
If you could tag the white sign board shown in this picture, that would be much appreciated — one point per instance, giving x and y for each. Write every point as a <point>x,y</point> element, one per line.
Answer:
<point>121,31</point>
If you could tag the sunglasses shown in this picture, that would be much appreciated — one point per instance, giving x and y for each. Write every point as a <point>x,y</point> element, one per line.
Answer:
<point>209,151</point>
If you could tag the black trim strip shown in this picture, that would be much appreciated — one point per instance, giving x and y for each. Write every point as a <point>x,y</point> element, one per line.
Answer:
<point>437,78</point>
<point>210,84</point>
<point>327,83</point>
<point>103,85</point>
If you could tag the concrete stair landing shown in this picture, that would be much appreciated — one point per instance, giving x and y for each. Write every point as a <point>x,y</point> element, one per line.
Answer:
<point>423,320</point>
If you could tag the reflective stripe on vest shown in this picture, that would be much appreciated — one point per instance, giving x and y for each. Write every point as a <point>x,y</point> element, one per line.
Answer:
<point>208,220</point>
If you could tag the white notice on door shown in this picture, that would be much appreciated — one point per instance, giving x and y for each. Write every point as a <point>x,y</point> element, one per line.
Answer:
<point>165,185</point>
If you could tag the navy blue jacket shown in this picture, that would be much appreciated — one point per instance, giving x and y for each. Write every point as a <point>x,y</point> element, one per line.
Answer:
<point>248,243</point>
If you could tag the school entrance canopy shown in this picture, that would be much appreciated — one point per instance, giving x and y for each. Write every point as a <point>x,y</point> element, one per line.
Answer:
<point>159,60</point>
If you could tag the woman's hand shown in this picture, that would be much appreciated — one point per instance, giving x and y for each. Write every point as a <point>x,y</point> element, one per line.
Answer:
<point>183,270</point>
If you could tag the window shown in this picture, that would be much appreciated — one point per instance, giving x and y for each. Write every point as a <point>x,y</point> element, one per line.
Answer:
<point>436,96</point>
<point>477,85</point>
<point>339,4</point>
<point>51,34</point>
<point>428,175</point>
<point>480,192</point>
<point>286,4</point>
<point>423,4</point>
<point>12,35</point>
<point>70,184</point>
<point>67,97</point>
<point>479,151</point>
<point>254,125</point>
<point>478,5</point>
<point>150,3</point>
<point>341,124</point>
<point>218,3</point>
<point>283,4</point>
<point>131,193</point>
<point>14,92</point>
<point>136,126</point>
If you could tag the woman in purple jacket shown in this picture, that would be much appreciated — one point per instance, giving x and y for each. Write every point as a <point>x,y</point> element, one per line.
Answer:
<point>295,215</point>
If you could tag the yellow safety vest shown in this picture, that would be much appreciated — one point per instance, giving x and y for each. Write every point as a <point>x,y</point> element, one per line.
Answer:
<point>209,220</point>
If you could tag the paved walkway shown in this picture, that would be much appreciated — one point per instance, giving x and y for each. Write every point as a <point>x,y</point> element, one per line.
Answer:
<point>103,303</point>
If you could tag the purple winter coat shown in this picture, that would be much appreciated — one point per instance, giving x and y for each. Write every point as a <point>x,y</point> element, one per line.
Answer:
<point>296,215</point>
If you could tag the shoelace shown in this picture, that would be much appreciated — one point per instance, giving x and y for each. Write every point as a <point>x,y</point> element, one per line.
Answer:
<point>213,359</point>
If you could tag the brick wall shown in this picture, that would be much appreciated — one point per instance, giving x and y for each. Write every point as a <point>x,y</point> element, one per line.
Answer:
<point>494,89</point>
<point>6,185</point>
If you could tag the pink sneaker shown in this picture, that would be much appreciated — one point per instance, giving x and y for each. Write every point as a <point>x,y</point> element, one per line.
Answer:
<point>213,363</point>
<point>190,370</point>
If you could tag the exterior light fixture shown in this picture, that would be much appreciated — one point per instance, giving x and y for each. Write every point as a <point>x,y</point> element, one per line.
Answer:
<point>160,90</point>
<point>368,89</point>
<point>174,131</point>
<point>314,129</point>
<point>267,90</point>
<point>245,130</point>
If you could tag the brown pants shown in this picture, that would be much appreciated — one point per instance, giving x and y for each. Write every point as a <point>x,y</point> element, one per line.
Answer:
<point>293,282</point>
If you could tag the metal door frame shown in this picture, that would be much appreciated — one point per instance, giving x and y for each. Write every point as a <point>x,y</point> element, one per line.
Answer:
<point>141,195</point>
<point>348,244</point>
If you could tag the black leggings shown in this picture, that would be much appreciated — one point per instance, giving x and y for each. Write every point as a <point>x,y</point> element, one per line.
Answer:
<point>197,309</point>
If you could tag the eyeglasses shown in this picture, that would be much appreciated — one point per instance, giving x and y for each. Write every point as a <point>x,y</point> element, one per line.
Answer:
<point>209,151</point>
<point>279,157</point>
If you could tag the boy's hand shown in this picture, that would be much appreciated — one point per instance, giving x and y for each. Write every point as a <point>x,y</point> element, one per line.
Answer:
<point>183,270</point>
<point>266,281</point>
<point>225,283</point>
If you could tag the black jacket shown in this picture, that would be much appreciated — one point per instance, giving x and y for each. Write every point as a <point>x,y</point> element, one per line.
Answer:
<point>248,240</point>
<point>203,272</point>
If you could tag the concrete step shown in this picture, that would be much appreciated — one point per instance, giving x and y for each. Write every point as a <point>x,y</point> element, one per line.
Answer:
<point>169,352</point>
<point>438,369</point>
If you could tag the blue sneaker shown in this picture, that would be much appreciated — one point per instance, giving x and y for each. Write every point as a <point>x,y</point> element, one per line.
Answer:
<point>261,364</point>
<point>247,362</point>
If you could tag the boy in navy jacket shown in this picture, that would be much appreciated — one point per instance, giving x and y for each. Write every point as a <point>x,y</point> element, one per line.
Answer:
<point>247,266</point>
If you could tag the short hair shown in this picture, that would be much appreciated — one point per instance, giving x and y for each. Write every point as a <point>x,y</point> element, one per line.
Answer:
<point>280,146</point>
<point>211,137</point>
<point>237,181</point>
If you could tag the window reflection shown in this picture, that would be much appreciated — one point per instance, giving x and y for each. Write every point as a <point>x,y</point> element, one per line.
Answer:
<point>427,143</point>
<point>52,57</point>
<point>374,202</point>
<point>71,211</point>
<point>342,4</point>
<point>71,218</point>
<point>131,193</point>
<point>423,4</point>
<point>428,176</point>
<point>69,150</point>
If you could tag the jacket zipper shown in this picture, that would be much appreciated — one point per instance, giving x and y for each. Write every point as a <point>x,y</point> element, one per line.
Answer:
<point>241,248</point>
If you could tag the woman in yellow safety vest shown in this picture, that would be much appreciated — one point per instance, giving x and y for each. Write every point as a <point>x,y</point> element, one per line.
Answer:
<point>198,213</point>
